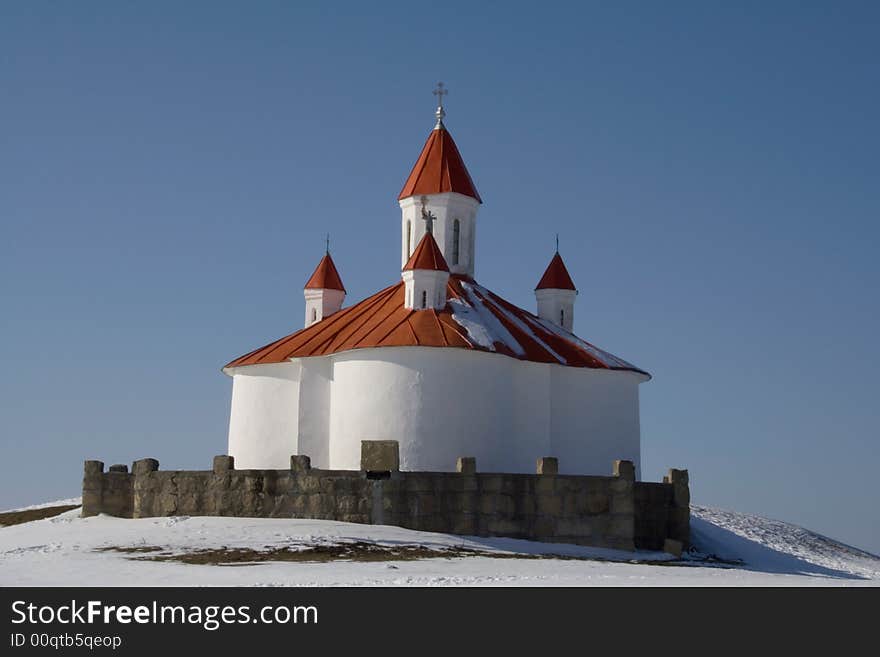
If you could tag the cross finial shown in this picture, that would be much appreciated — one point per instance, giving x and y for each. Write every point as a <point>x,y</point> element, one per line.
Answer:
<point>557,242</point>
<point>327,245</point>
<point>440,91</point>
<point>427,217</point>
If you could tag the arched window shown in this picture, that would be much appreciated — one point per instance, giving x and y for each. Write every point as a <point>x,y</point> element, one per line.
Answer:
<point>562,317</point>
<point>456,239</point>
<point>424,298</point>
<point>314,314</point>
<point>408,238</point>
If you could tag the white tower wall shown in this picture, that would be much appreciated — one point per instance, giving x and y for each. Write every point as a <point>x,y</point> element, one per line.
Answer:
<point>446,208</point>
<point>424,285</point>
<point>557,306</point>
<point>321,303</point>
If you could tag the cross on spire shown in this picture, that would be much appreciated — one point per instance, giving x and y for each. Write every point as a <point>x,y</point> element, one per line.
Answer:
<point>440,91</point>
<point>427,217</point>
<point>327,244</point>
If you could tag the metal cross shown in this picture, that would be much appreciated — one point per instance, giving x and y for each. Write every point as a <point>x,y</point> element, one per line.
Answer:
<point>328,243</point>
<point>440,92</point>
<point>427,217</point>
<point>557,242</point>
<point>440,113</point>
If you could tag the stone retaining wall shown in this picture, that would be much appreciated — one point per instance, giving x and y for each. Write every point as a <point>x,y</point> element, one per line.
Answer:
<point>614,511</point>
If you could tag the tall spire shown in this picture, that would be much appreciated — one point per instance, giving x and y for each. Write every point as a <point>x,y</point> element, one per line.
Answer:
<point>439,168</point>
<point>440,113</point>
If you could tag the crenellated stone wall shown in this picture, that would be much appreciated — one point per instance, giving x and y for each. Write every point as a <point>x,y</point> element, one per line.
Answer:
<point>614,511</point>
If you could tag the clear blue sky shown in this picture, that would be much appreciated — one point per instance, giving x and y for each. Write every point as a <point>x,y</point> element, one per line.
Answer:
<point>168,171</point>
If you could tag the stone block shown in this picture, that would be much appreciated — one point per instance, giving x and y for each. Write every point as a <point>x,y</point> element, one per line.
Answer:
<point>469,483</point>
<point>623,503</point>
<point>380,456</point>
<point>681,494</point>
<point>143,466</point>
<point>319,504</point>
<point>355,517</point>
<point>572,527</point>
<point>525,504</point>
<point>300,463</point>
<point>223,463</point>
<point>504,527</point>
<point>550,505</point>
<point>426,504</point>
<point>545,485</point>
<point>548,465</point>
<point>347,504</point>
<point>487,504</point>
<point>464,524</point>
<point>491,483</point>
<point>417,483</point>
<point>598,503</point>
<point>119,467</point>
<point>544,528</point>
<point>624,470</point>
<point>673,547</point>
<point>467,502</point>
<point>466,465</point>
<point>299,504</point>
<point>677,477</point>
<point>622,527</point>
<point>310,483</point>
<point>92,468</point>
<point>505,504</point>
<point>620,485</point>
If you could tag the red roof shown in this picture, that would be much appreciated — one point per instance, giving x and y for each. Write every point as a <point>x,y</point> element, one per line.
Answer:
<point>427,256</point>
<point>439,169</point>
<point>556,276</point>
<point>473,318</point>
<point>325,276</point>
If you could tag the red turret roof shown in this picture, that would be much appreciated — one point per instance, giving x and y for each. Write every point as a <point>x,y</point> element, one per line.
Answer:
<point>474,318</point>
<point>556,276</point>
<point>325,277</point>
<point>439,169</point>
<point>427,256</point>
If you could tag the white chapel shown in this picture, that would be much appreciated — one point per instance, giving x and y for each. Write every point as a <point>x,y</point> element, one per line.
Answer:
<point>436,360</point>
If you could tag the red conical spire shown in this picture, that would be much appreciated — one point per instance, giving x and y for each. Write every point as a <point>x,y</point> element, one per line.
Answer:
<point>556,276</point>
<point>439,169</point>
<point>325,276</point>
<point>427,256</point>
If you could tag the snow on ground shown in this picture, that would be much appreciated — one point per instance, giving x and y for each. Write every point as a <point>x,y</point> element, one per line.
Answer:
<point>774,546</point>
<point>62,551</point>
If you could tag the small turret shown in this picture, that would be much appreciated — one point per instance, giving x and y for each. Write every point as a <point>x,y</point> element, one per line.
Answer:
<point>425,276</point>
<point>556,294</point>
<point>324,291</point>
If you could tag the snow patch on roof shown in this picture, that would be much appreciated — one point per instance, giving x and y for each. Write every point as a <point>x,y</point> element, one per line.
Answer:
<point>602,356</point>
<point>516,321</point>
<point>481,324</point>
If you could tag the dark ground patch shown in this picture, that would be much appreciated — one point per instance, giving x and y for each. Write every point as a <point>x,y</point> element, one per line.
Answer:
<point>17,517</point>
<point>355,551</point>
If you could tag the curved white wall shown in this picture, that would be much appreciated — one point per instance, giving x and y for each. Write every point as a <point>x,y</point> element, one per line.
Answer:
<point>439,403</point>
<point>264,418</point>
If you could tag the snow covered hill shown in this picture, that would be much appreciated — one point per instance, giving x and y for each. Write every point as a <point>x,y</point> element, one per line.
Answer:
<point>730,549</point>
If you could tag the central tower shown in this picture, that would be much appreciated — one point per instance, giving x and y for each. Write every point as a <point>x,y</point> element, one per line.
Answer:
<point>439,190</point>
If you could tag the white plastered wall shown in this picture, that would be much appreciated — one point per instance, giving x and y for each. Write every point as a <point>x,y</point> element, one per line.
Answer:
<point>264,415</point>
<point>439,403</point>
<point>446,208</point>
